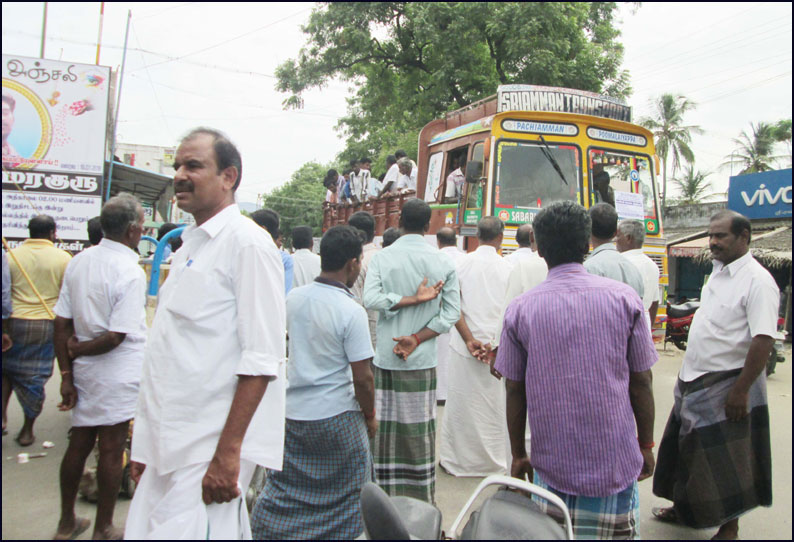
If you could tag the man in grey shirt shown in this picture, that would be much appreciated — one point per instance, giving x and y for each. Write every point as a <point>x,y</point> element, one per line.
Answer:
<point>605,260</point>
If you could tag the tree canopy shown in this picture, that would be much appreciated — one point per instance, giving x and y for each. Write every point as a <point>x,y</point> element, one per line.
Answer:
<point>692,186</point>
<point>412,61</point>
<point>754,152</point>
<point>299,202</point>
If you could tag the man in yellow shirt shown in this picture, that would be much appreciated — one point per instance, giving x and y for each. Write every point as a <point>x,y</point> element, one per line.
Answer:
<point>28,364</point>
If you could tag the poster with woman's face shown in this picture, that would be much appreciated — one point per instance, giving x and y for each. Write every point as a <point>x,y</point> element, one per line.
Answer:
<point>54,115</point>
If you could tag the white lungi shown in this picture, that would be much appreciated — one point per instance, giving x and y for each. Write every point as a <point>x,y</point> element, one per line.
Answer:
<point>442,369</point>
<point>474,439</point>
<point>169,507</point>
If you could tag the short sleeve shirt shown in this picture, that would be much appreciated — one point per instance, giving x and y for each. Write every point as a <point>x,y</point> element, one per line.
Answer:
<point>740,301</point>
<point>328,330</point>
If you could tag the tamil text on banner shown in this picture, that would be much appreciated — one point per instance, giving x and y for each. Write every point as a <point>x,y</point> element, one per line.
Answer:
<point>54,115</point>
<point>70,199</point>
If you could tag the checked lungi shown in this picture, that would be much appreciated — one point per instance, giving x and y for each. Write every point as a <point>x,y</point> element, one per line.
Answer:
<point>714,470</point>
<point>615,517</point>
<point>28,364</point>
<point>317,494</point>
<point>404,448</point>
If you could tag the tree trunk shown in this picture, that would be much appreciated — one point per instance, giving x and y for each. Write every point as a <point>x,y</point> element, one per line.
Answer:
<point>664,184</point>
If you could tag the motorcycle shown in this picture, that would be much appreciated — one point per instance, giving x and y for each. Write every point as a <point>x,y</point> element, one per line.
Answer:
<point>679,320</point>
<point>506,515</point>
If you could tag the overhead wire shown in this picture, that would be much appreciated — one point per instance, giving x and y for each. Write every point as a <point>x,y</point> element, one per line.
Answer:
<point>224,42</point>
<point>644,51</point>
<point>243,104</point>
<point>706,54</point>
<point>154,90</point>
<point>739,91</point>
<point>707,47</point>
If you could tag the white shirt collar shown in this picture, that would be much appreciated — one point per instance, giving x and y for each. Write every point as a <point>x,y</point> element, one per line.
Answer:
<point>214,225</point>
<point>633,252</point>
<point>121,248</point>
<point>733,267</point>
<point>486,248</point>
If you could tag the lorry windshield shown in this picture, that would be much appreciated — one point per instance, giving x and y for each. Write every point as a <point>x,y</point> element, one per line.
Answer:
<point>526,176</point>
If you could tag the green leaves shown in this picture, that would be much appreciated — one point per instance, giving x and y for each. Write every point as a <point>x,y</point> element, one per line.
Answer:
<point>409,62</point>
<point>693,186</point>
<point>672,138</point>
<point>300,201</point>
<point>755,153</point>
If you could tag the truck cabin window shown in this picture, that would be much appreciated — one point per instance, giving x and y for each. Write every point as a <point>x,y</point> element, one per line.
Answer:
<point>615,175</point>
<point>531,176</point>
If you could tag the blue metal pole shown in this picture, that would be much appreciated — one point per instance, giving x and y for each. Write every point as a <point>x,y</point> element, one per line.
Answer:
<point>154,282</point>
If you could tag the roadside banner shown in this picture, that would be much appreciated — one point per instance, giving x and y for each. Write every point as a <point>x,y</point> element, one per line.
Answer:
<point>54,135</point>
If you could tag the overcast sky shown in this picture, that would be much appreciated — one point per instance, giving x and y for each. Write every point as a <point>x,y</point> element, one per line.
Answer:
<point>193,64</point>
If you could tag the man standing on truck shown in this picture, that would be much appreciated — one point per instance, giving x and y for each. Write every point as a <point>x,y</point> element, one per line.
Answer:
<point>392,176</point>
<point>410,319</point>
<point>715,461</point>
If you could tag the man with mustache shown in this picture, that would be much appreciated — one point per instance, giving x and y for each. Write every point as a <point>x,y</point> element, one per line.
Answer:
<point>714,461</point>
<point>212,393</point>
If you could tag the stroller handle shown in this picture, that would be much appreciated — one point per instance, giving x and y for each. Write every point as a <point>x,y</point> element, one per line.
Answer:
<point>501,480</point>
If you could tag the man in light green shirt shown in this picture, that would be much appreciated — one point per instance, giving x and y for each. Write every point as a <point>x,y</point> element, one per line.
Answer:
<point>409,320</point>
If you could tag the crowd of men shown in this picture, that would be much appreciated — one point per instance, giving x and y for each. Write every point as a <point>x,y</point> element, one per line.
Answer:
<point>357,184</point>
<point>547,341</point>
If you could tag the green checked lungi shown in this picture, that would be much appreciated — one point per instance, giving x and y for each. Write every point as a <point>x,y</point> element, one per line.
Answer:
<point>28,364</point>
<point>404,448</point>
<point>615,517</point>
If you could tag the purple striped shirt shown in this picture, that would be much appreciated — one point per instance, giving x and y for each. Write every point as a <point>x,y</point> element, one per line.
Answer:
<point>573,340</point>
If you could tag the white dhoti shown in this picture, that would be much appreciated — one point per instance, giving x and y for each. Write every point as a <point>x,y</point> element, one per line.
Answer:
<point>442,369</point>
<point>474,438</point>
<point>169,507</point>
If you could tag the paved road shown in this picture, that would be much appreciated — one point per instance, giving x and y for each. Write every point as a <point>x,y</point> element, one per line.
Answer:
<point>31,501</point>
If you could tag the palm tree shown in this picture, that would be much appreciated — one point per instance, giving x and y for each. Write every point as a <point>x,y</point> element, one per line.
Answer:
<point>754,153</point>
<point>782,134</point>
<point>693,186</point>
<point>672,137</point>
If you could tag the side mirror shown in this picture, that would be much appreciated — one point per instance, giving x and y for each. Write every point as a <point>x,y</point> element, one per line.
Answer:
<point>473,172</point>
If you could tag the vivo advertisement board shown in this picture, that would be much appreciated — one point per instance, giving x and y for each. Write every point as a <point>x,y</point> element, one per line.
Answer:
<point>761,195</point>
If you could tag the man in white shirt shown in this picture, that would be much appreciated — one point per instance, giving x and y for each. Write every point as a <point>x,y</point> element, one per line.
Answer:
<point>392,176</point>
<point>629,240</point>
<point>524,236</point>
<point>217,344</point>
<point>455,182</point>
<point>100,332</point>
<point>372,187</point>
<point>714,461</point>
<point>473,436</point>
<point>447,241</point>
<point>306,263</point>
<point>365,223</point>
<point>407,179</point>
<point>360,181</point>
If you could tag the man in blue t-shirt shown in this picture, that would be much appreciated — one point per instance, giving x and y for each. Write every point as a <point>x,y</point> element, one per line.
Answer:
<point>330,406</point>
